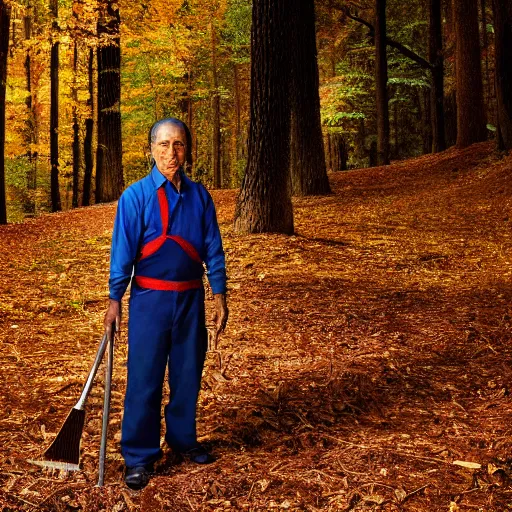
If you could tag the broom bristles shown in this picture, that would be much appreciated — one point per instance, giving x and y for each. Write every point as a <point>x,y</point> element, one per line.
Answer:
<point>66,446</point>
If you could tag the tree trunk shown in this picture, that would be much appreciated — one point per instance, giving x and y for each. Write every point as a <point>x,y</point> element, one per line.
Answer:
<point>109,165</point>
<point>5,19</point>
<point>503,71</point>
<point>425,99</point>
<point>381,81</point>
<point>471,124</point>
<point>435,55</point>
<point>54,109</point>
<point>30,125</point>
<point>76,137</point>
<point>217,173</point>
<point>89,126</point>
<point>264,203</point>
<point>307,155</point>
<point>338,155</point>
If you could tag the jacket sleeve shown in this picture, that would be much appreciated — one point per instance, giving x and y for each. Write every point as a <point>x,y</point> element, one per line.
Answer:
<point>214,252</point>
<point>125,243</point>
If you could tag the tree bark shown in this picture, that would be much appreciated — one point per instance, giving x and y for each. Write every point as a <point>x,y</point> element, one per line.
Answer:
<point>54,109</point>
<point>30,132</point>
<point>216,153</point>
<point>89,127</point>
<point>109,165</point>
<point>307,154</point>
<point>435,51</point>
<point>76,136</point>
<point>503,71</point>
<point>471,123</point>
<point>5,19</point>
<point>381,80</point>
<point>264,203</point>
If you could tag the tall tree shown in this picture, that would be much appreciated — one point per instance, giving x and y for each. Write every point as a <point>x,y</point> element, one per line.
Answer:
<point>381,83</point>
<point>307,154</point>
<point>31,130</point>
<point>54,108</point>
<point>5,19</point>
<point>264,203</point>
<point>503,70</point>
<point>89,126</point>
<point>109,166</point>
<point>435,53</point>
<point>217,173</point>
<point>471,123</point>
<point>76,136</point>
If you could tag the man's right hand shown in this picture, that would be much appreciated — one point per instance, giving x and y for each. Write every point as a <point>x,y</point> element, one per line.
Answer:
<point>113,315</point>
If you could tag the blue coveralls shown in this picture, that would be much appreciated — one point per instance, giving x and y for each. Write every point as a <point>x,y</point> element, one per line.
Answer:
<point>166,312</point>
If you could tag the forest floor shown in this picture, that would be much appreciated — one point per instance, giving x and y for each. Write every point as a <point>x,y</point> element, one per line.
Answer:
<point>367,363</point>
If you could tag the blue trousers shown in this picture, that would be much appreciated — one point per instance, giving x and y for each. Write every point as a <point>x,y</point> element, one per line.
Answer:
<point>164,328</point>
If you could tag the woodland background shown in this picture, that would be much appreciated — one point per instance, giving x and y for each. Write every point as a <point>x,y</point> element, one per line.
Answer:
<point>85,81</point>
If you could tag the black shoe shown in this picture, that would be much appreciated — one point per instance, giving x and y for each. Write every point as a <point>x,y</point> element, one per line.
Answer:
<point>137,478</point>
<point>199,455</point>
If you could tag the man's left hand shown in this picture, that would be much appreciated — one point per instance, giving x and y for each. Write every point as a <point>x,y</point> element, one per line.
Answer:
<point>220,316</point>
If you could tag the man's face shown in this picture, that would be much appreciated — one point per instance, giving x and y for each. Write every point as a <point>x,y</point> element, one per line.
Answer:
<point>169,149</point>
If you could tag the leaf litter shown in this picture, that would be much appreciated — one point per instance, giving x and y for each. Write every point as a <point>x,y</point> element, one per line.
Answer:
<point>366,364</point>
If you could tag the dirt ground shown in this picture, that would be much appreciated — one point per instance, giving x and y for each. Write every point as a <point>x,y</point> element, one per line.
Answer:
<point>366,365</point>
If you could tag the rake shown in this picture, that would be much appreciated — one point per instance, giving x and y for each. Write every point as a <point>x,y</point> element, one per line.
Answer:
<point>64,452</point>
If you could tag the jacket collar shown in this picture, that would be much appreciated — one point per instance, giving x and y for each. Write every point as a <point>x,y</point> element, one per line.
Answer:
<point>159,179</point>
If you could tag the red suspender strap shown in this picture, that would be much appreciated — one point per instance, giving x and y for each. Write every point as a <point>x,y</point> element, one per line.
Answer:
<point>187,247</point>
<point>164,209</point>
<point>154,245</point>
<point>173,286</point>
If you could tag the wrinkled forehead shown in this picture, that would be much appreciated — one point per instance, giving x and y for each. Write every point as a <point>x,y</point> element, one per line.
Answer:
<point>170,130</point>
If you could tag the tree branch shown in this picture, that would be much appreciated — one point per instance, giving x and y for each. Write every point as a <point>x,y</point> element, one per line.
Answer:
<point>389,42</point>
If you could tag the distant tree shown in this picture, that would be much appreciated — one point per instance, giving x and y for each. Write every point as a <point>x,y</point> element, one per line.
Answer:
<point>31,130</point>
<point>76,128</point>
<point>307,155</point>
<point>435,67</point>
<point>89,126</point>
<point>471,123</point>
<point>381,80</point>
<point>217,174</point>
<point>435,55</point>
<point>109,166</point>
<point>5,19</point>
<point>503,70</point>
<point>264,203</point>
<point>54,108</point>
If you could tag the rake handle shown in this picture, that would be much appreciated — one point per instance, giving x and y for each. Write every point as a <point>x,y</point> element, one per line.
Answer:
<point>106,410</point>
<point>88,384</point>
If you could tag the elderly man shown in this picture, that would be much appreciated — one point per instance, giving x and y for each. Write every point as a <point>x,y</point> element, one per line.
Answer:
<point>165,229</point>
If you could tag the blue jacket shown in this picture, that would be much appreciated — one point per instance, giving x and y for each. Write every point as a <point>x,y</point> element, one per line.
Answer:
<point>191,216</point>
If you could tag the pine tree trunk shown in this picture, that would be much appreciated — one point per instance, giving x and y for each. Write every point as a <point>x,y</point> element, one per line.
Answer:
<point>503,70</point>
<point>217,174</point>
<point>264,203</point>
<point>471,124</point>
<point>76,136</point>
<point>54,110</point>
<point>89,127</point>
<point>5,19</point>
<point>381,81</point>
<point>307,154</point>
<point>437,91</point>
<point>109,164</point>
